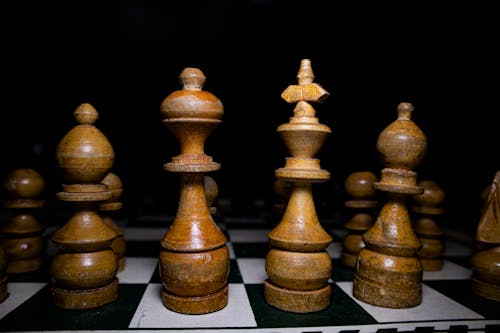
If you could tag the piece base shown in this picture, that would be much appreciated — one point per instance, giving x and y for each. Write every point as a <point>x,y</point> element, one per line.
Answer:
<point>4,294</point>
<point>85,299</point>
<point>485,289</point>
<point>299,301</point>
<point>431,265</point>
<point>196,304</point>
<point>349,259</point>
<point>384,296</point>
<point>25,265</point>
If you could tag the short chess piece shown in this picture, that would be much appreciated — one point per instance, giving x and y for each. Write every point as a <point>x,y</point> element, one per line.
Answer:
<point>297,265</point>
<point>85,267</point>
<point>211,192</point>
<point>3,275</point>
<point>359,187</point>
<point>119,246</point>
<point>485,262</point>
<point>22,236</point>
<point>194,259</point>
<point>427,208</point>
<point>388,271</point>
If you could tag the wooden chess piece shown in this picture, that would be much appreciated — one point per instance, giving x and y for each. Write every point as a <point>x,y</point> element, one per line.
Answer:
<point>388,271</point>
<point>211,192</point>
<point>84,269</point>
<point>114,184</point>
<point>485,262</point>
<point>427,206</point>
<point>359,186</point>
<point>22,236</point>
<point>3,275</point>
<point>297,263</point>
<point>194,260</point>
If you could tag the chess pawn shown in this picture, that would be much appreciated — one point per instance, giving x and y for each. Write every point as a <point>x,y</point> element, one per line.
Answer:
<point>211,193</point>
<point>22,238</point>
<point>427,206</point>
<point>194,260</point>
<point>3,275</point>
<point>485,263</point>
<point>297,264</point>
<point>114,184</point>
<point>359,186</point>
<point>388,271</point>
<point>84,269</point>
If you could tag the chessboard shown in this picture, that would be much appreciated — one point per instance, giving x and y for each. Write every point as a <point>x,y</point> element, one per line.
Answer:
<point>448,303</point>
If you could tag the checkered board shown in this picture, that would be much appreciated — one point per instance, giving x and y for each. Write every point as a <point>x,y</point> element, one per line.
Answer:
<point>448,303</point>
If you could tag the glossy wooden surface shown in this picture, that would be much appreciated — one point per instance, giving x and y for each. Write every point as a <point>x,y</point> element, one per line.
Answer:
<point>85,267</point>
<point>297,264</point>
<point>194,261</point>
<point>388,271</point>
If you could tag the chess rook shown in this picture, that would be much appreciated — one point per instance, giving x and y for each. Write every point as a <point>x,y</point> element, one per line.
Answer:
<point>427,208</point>
<point>359,186</point>
<point>485,262</point>
<point>297,263</point>
<point>194,260</point>
<point>22,237</point>
<point>114,184</point>
<point>388,271</point>
<point>84,270</point>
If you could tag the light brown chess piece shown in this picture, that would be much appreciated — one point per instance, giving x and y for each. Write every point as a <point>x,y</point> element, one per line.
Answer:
<point>114,184</point>
<point>485,262</point>
<point>388,271</point>
<point>84,269</point>
<point>3,275</point>
<point>427,207</point>
<point>22,237</point>
<point>359,186</point>
<point>194,260</point>
<point>297,263</point>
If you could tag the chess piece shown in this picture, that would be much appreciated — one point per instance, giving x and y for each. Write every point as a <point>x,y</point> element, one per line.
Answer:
<point>22,238</point>
<point>485,262</point>
<point>211,193</point>
<point>84,269</point>
<point>3,275</point>
<point>427,207</point>
<point>359,186</point>
<point>114,184</point>
<point>388,271</point>
<point>194,260</point>
<point>297,263</point>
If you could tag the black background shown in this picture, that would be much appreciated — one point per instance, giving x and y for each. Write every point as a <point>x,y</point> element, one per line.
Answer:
<point>125,57</point>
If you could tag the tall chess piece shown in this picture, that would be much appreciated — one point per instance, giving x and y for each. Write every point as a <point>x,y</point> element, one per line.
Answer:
<point>388,271</point>
<point>194,261</point>
<point>297,263</point>
<point>84,269</point>
<point>3,275</point>
<point>427,207</point>
<point>114,184</point>
<point>359,186</point>
<point>485,262</point>
<point>22,236</point>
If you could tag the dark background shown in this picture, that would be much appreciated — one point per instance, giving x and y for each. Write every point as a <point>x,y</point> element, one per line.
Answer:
<point>125,57</point>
